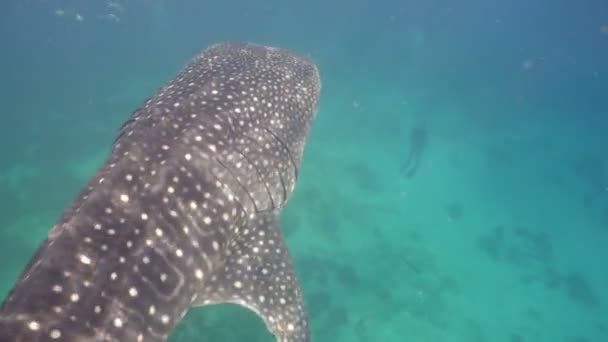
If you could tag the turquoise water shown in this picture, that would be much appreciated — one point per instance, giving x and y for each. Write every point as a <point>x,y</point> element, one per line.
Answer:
<point>454,186</point>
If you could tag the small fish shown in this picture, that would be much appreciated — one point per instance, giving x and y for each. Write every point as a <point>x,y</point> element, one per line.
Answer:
<point>184,212</point>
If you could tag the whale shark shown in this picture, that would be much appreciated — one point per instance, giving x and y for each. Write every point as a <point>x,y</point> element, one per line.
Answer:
<point>184,211</point>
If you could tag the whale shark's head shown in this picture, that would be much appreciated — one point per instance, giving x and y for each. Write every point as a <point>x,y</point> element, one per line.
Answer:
<point>272,100</point>
<point>253,104</point>
<point>184,212</point>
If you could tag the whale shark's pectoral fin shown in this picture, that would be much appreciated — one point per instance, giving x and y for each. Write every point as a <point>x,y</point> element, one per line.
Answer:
<point>257,273</point>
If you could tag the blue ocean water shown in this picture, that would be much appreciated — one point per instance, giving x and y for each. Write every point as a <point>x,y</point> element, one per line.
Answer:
<point>454,186</point>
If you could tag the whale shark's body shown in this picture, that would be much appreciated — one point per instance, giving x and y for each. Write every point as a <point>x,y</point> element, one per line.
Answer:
<point>183,213</point>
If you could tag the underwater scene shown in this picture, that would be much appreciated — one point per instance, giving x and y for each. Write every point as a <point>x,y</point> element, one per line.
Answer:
<point>453,185</point>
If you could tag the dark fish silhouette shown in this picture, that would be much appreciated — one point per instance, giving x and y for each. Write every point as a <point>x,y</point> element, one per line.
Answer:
<point>418,142</point>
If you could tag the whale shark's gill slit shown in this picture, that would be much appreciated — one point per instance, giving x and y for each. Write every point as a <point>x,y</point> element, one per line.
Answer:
<point>249,194</point>
<point>293,162</point>
<point>284,188</point>
<point>236,179</point>
<point>279,174</point>
<point>257,171</point>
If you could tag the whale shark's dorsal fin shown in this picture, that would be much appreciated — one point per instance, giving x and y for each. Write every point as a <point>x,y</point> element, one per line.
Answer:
<point>259,275</point>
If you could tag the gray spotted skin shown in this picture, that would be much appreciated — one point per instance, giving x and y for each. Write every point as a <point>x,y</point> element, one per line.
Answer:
<point>184,212</point>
